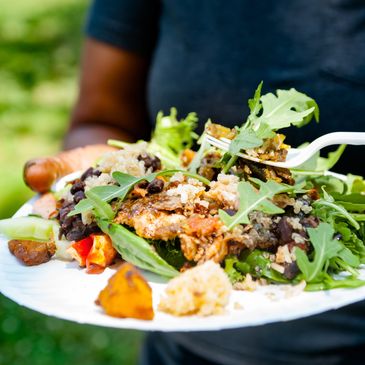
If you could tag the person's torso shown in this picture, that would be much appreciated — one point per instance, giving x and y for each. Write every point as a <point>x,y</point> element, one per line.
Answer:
<point>209,58</point>
<point>211,55</point>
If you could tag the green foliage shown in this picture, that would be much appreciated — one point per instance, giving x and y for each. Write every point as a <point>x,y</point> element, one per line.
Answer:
<point>27,337</point>
<point>40,47</point>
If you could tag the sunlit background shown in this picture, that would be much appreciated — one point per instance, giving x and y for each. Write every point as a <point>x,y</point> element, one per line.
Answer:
<point>39,53</point>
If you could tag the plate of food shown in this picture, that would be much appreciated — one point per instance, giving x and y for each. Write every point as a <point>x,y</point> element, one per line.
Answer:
<point>160,235</point>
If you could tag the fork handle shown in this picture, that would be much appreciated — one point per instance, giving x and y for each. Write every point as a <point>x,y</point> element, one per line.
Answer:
<point>352,138</point>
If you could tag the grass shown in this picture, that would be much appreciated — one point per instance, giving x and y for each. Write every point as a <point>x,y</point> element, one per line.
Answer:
<point>40,46</point>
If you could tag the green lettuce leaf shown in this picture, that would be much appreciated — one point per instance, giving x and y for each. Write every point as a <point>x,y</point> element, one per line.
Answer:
<point>171,136</point>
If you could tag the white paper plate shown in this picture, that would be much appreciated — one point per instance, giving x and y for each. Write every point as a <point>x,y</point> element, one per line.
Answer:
<point>62,290</point>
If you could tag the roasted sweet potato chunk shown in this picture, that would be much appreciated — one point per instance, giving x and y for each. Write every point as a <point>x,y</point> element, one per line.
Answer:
<point>127,295</point>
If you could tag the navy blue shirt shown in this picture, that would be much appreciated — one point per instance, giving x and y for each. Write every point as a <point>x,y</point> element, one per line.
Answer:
<point>208,56</point>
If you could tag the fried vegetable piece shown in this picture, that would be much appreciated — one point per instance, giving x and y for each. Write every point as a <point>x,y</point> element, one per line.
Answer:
<point>32,253</point>
<point>127,295</point>
<point>40,173</point>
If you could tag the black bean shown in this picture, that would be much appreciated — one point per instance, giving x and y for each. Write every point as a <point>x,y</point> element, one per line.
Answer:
<point>230,212</point>
<point>284,231</point>
<point>291,270</point>
<point>310,221</point>
<point>78,185</point>
<point>75,235</point>
<point>64,211</point>
<point>91,228</point>
<point>142,185</point>
<point>79,195</point>
<point>90,172</point>
<point>155,186</point>
<point>150,161</point>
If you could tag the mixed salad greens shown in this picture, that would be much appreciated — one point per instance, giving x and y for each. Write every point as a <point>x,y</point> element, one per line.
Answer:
<point>326,253</point>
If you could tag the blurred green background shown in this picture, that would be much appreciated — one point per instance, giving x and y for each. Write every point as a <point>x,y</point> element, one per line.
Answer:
<point>39,54</point>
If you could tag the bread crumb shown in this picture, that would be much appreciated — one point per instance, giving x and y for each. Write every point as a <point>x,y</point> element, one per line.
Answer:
<point>203,290</point>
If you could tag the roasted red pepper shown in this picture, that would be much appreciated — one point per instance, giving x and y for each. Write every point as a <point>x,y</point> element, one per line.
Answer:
<point>95,252</point>
<point>101,254</point>
<point>80,250</point>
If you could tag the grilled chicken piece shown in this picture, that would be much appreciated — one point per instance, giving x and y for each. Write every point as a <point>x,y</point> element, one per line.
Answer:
<point>32,253</point>
<point>202,239</point>
<point>152,216</point>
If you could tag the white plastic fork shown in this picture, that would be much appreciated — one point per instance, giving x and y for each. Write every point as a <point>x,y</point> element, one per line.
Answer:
<point>297,156</point>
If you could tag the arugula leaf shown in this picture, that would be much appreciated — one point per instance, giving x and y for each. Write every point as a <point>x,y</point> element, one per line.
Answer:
<point>324,164</point>
<point>328,282</point>
<point>251,199</point>
<point>204,144</point>
<point>254,104</point>
<point>246,139</point>
<point>337,209</point>
<point>287,107</point>
<point>351,240</point>
<point>110,192</point>
<point>325,248</point>
<point>102,209</point>
<point>126,183</point>
<point>355,184</point>
<point>136,250</point>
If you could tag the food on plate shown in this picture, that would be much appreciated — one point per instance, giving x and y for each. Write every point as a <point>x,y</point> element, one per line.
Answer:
<point>203,290</point>
<point>45,206</point>
<point>96,252</point>
<point>167,209</point>
<point>41,173</point>
<point>32,253</point>
<point>127,295</point>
